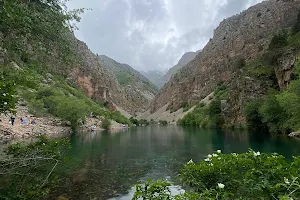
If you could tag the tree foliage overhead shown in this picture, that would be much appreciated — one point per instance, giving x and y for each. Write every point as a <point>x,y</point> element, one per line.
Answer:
<point>41,23</point>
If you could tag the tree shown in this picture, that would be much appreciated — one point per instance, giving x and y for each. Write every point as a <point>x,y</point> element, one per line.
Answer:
<point>43,24</point>
<point>278,41</point>
<point>254,119</point>
<point>273,115</point>
<point>28,171</point>
<point>106,124</point>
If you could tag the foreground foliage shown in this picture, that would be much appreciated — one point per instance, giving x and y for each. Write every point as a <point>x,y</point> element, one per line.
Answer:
<point>251,175</point>
<point>28,171</point>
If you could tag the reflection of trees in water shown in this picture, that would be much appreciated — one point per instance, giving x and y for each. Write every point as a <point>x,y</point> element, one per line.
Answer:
<point>105,164</point>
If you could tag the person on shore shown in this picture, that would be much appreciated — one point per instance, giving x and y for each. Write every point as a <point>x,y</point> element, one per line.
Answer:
<point>12,120</point>
<point>25,120</point>
<point>33,122</point>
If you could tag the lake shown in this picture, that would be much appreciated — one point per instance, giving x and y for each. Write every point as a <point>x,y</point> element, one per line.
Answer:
<point>105,165</point>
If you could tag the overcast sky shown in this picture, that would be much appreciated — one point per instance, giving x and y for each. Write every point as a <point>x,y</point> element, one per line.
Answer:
<point>151,34</point>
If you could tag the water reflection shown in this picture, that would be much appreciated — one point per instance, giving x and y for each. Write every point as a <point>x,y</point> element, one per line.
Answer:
<point>105,165</point>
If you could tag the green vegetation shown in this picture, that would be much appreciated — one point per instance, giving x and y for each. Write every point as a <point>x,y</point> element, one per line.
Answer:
<point>106,124</point>
<point>279,41</point>
<point>58,97</point>
<point>124,78</point>
<point>141,122</point>
<point>251,175</point>
<point>29,171</point>
<point>7,101</point>
<point>278,111</point>
<point>210,115</point>
<point>35,36</point>
<point>163,122</point>
<point>43,24</point>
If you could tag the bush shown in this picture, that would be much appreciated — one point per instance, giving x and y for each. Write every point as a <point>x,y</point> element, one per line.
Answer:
<point>204,116</point>
<point>30,171</point>
<point>163,122</point>
<point>106,124</point>
<point>278,41</point>
<point>251,175</point>
<point>273,115</point>
<point>134,121</point>
<point>254,119</point>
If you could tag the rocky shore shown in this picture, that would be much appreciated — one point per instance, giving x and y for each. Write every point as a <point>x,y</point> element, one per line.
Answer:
<point>48,126</point>
<point>295,134</point>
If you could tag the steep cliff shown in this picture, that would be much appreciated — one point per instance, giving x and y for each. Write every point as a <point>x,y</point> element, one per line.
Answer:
<point>138,90</point>
<point>240,38</point>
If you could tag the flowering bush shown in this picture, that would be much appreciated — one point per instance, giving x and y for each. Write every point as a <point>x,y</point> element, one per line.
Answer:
<point>251,175</point>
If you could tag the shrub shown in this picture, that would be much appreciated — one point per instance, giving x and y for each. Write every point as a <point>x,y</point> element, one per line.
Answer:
<point>30,171</point>
<point>278,41</point>
<point>106,124</point>
<point>163,122</point>
<point>134,121</point>
<point>251,175</point>
<point>273,115</point>
<point>214,112</point>
<point>254,119</point>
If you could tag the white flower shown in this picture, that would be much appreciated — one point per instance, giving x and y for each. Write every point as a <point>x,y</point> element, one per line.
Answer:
<point>207,159</point>
<point>209,156</point>
<point>221,186</point>
<point>234,154</point>
<point>286,180</point>
<point>4,94</point>
<point>219,158</point>
<point>44,144</point>
<point>219,151</point>
<point>5,103</point>
<point>191,162</point>
<point>211,164</point>
<point>256,153</point>
<point>215,155</point>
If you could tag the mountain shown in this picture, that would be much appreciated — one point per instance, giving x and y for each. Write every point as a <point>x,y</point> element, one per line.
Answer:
<point>230,60</point>
<point>155,77</point>
<point>184,60</point>
<point>139,91</point>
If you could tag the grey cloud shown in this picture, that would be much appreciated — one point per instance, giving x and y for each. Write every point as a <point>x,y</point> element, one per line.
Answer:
<point>151,34</point>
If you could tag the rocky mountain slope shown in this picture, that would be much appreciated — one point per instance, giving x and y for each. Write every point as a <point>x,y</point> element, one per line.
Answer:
<point>184,60</point>
<point>237,40</point>
<point>155,77</point>
<point>138,90</point>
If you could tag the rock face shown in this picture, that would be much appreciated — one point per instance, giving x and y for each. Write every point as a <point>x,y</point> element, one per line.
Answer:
<point>96,81</point>
<point>138,90</point>
<point>245,36</point>
<point>184,60</point>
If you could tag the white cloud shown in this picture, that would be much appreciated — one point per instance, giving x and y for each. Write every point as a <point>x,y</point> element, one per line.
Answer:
<point>152,34</point>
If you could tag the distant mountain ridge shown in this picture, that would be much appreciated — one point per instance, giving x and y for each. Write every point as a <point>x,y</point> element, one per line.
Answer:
<point>159,78</point>
<point>137,88</point>
<point>155,77</point>
<point>184,60</point>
